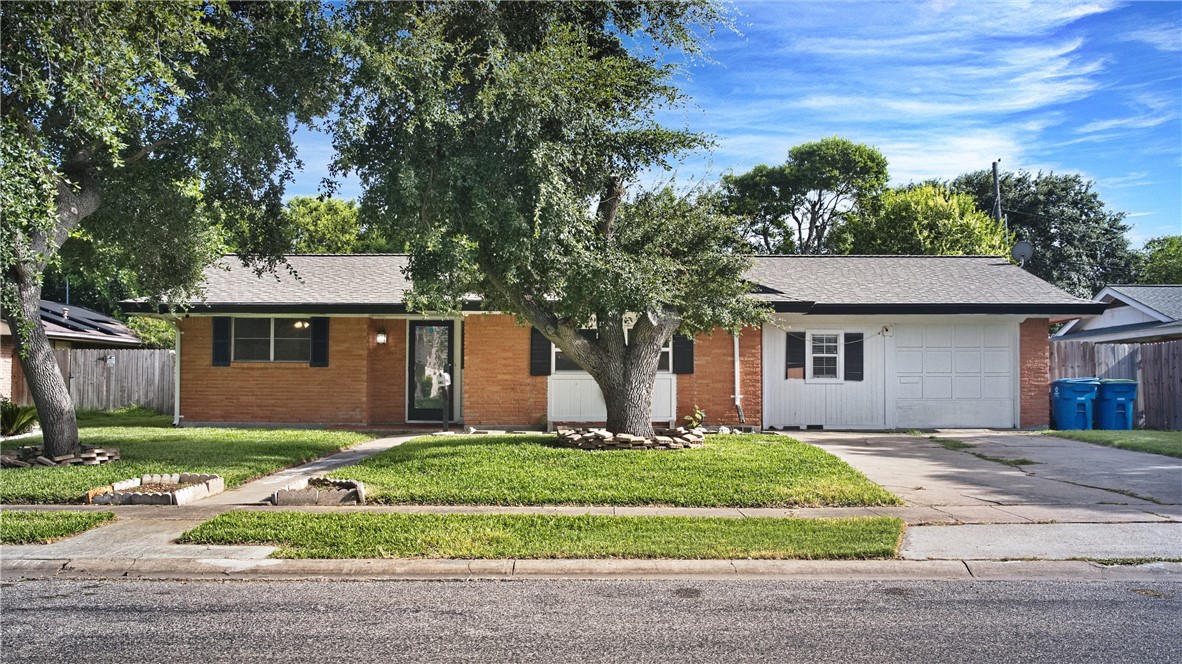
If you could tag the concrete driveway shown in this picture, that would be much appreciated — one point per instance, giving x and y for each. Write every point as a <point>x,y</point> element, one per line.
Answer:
<point>1137,496</point>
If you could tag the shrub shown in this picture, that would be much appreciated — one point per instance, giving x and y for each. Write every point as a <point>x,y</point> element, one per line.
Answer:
<point>15,419</point>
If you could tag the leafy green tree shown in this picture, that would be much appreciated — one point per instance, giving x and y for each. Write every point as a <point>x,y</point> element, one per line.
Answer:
<point>1079,244</point>
<point>330,226</point>
<point>151,132</point>
<point>499,141</point>
<point>1163,261</point>
<point>795,206</point>
<point>923,220</point>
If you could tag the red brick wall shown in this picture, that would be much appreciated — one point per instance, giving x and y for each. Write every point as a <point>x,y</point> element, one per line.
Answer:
<point>1035,361</point>
<point>713,382</point>
<point>387,373</point>
<point>497,386</point>
<point>279,391</point>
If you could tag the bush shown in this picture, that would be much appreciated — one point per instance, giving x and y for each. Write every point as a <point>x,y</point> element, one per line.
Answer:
<point>15,419</point>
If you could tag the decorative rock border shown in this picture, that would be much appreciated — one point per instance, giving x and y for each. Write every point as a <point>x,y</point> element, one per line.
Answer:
<point>320,491</point>
<point>195,487</point>
<point>34,455</point>
<point>602,439</point>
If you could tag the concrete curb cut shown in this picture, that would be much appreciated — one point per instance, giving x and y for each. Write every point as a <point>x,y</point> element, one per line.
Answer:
<point>764,570</point>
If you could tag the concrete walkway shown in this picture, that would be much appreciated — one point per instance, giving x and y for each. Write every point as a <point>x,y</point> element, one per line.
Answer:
<point>1120,504</point>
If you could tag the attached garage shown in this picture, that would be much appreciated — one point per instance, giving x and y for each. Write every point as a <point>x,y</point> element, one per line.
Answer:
<point>885,342</point>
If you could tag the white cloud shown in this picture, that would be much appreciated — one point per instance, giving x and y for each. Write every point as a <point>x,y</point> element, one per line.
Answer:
<point>1162,37</point>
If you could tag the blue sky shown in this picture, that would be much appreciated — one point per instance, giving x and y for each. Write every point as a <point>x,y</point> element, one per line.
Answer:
<point>942,88</point>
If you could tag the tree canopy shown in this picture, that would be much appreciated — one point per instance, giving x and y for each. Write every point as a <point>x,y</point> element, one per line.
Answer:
<point>1163,261</point>
<point>149,132</point>
<point>322,225</point>
<point>1079,244</point>
<point>499,140</point>
<point>796,205</point>
<point>923,219</point>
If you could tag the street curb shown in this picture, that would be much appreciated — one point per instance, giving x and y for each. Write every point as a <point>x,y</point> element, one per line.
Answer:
<point>270,569</point>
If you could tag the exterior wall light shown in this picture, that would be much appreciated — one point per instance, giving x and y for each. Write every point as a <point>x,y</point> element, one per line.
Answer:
<point>381,336</point>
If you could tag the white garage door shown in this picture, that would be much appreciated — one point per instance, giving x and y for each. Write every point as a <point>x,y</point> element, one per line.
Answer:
<point>954,375</point>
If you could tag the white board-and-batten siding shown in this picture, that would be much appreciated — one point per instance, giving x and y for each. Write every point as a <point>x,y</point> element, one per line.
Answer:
<point>918,372</point>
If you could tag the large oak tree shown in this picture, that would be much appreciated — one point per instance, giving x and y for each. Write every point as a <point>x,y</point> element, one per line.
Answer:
<point>499,141</point>
<point>153,131</point>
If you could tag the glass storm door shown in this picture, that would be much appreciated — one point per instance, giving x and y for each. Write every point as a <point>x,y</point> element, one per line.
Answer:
<point>430,356</point>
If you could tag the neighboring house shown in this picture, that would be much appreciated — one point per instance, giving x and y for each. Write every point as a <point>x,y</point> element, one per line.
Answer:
<point>67,326</point>
<point>856,342</point>
<point>1134,314</point>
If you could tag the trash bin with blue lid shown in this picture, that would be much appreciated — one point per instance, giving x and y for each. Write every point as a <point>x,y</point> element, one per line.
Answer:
<point>1114,404</point>
<point>1071,402</point>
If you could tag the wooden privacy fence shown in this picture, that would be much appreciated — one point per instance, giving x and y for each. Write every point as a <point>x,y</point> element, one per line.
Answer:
<point>1157,368</point>
<point>104,379</point>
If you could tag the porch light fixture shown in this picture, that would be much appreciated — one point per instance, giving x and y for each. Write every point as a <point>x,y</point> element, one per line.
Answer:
<point>381,336</point>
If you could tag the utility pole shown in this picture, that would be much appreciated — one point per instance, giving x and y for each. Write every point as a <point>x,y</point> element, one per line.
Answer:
<point>997,196</point>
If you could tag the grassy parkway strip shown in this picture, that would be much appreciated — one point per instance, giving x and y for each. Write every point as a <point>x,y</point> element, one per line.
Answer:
<point>500,536</point>
<point>45,527</point>
<point>730,471</point>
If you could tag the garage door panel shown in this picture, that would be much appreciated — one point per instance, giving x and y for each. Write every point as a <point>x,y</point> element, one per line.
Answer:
<point>937,387</point>
<point>968,336</point>
<point>937,361</point>
<point>967,362</point>
<point>997,361</point>
<point>909,361</point>
<point>909,337</point>
<point>938,336</point>
<point>966,387</point>
<point>996,387</point>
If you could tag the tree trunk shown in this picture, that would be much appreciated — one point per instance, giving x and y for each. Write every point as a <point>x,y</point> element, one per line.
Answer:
<point>628,374</point>
<point>55,410</point>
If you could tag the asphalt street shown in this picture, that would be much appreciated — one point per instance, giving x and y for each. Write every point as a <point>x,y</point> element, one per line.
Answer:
<point>590,621</point>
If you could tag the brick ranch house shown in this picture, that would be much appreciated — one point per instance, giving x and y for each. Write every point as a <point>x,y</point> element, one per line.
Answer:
<point>856,342</point>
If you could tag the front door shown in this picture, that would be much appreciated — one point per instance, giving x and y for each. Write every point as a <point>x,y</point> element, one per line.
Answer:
<point>430,358</point>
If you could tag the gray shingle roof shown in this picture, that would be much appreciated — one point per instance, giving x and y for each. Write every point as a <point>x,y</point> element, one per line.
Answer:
<point>904,280</point>
<point>348,279</point>
<point>821,284</point>
<point>1165,299</point>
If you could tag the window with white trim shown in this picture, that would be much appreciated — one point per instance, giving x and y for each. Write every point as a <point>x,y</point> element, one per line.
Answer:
<point>272,340</point>
<point>824,356</point>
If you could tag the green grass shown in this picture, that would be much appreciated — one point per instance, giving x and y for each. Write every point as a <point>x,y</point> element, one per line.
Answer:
<point>950,444</point>
<point>236,454</point>
<point>369,535</point>
<point>131,416</point>
<point>1003,460</point>
<point>734,471</point>
<point>1168,443</point>
<point>45,527</point>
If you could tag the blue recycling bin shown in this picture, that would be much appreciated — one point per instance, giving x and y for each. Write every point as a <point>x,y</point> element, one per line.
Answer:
<point>1071,402</point>
<point>1114,404</point>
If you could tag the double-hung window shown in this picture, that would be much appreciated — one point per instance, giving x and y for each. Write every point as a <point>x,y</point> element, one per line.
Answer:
<point>824,356</point>
<point>272,340</point>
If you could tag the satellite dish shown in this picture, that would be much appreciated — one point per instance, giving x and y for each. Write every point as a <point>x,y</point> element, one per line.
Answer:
<point>1022,252</point>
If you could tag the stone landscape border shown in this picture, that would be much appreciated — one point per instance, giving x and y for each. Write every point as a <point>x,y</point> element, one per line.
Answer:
<point>602,439</point>
<point>34,455</point>
<point>199,486</point>
<point>320,491</point>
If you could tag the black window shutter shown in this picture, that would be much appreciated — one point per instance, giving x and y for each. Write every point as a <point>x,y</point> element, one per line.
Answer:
<point>221,341</point>
<point>539,353</point>
<point>319,342</point>
<point>853,356</point>
<point>795,354</point>
<point>683,354</point>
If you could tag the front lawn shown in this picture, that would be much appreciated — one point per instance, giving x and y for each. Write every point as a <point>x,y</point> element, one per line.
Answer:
<point>733,471</point>
<point>1168,443</point>
<point>370,535</point>
<point>45,527</point>
<point>237,455</point>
